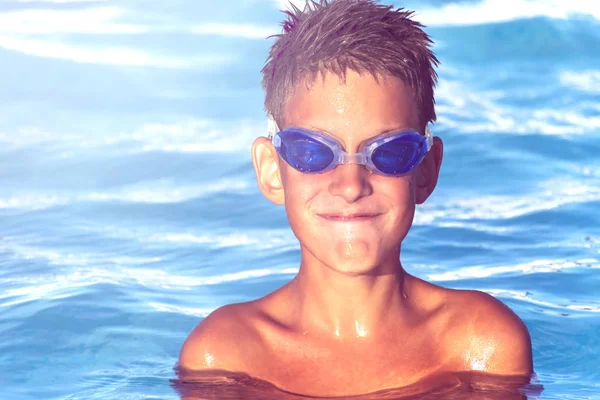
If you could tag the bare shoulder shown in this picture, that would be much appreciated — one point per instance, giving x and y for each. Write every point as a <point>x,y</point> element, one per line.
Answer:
<point>235,337</point>
<point>221,341</point>
<point>491,336</point>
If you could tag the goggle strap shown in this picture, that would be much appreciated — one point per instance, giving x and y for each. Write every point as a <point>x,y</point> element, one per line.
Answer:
<point>428,137</point>
<point>272,127</point>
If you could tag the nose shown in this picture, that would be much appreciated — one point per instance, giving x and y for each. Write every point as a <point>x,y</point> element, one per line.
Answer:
<point>351,182</point>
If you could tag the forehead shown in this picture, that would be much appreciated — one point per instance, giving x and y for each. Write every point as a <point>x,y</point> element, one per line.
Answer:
<point>357,109</point>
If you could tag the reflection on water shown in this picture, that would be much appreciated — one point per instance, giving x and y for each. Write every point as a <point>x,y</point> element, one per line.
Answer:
<point>224,385</point>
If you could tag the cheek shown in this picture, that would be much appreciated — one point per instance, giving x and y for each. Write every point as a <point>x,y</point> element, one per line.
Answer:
<point>400,196</point>
<point>412,192</point>
<point>299,197</point>
<point>399,192</point>
<point>295,183</point>
<point>299,191</point>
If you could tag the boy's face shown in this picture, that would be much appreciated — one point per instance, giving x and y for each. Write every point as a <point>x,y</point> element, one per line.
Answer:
<point>349,218</point>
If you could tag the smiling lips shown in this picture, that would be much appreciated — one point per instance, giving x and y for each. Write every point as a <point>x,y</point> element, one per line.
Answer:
<point>349,217</point>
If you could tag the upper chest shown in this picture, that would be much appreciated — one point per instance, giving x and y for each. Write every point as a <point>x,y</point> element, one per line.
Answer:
<point>316,367</point>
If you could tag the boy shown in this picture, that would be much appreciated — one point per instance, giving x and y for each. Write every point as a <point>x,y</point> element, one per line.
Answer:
<point>349,85</point>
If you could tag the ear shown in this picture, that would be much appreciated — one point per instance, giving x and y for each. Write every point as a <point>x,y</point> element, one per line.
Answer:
<point>428,171</point>
<point>266,166</point>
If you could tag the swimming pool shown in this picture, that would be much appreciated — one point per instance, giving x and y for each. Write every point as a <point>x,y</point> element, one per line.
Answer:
<point>129,209</point>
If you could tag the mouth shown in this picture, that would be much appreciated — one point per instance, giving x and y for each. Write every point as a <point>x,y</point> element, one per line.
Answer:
<point>349,217</point>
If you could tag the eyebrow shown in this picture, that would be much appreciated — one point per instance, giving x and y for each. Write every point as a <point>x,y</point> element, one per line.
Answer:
<point>383,132</point>
<point>379,133</point>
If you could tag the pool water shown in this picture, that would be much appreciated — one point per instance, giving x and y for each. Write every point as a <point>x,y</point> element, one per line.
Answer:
<point>129,208</point>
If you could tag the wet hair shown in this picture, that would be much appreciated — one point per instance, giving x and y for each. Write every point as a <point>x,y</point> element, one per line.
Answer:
<point>361,35</point>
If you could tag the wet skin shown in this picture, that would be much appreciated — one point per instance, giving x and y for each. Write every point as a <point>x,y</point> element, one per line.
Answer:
<point>353,321</point>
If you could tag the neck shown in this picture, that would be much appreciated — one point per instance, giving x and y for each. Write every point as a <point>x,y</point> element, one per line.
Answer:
<point>349,306</point>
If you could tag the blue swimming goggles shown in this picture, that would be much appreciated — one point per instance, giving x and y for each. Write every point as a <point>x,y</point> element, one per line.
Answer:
<point>311,152</point>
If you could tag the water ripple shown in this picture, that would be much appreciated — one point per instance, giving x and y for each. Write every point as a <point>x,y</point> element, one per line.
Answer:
<point>532,267</point>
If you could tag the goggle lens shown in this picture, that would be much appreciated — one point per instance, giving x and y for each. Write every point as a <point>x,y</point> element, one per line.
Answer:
<point>397,156</point>
<point>304,153</point>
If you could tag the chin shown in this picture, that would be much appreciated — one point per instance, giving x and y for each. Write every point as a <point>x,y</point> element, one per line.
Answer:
<point>348,256</point>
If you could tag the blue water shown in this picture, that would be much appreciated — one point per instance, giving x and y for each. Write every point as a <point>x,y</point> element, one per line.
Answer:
<point>129,210</point>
